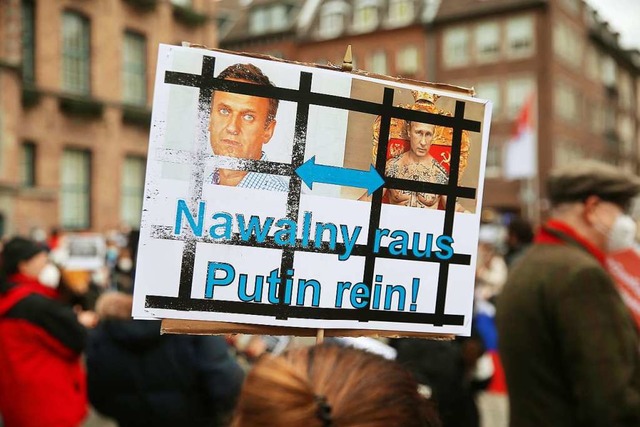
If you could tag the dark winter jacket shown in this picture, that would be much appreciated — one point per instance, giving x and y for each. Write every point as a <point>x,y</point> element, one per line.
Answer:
<point>142,378</point>
<point>42,383</point>
<point>445,367</point>
<point>570,349</point>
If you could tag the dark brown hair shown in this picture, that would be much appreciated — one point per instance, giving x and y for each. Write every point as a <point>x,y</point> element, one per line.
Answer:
<point>253,74</point>
<point>330,385</point>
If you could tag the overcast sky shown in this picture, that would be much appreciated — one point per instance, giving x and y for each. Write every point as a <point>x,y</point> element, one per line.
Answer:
<point>623,16</point>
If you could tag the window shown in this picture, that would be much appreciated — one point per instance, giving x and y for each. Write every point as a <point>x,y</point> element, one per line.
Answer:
<point>626,129</point>
<point>332,19</point>
<point>571,6</point>
<point>565,152</point>
<point>592,63</point>
<point>494,159</point>
<point>132,190</point>
<point>134,69</point>
<point>520,36</point>
<point>609,71</point>
<point>456,47</point>
<point>28,41</point>
<point>567,44</point>
<point>365,17</point>
<point>487,36</point>
<point>258,21</point>
<point>400,12</point>
<point>183,3</point>
<point>565,101</point>
<point>279,17</point>
<point>407,61</point>
<point>518,91</point>
<point>378,62</point>
<point>625,89</point>
<point>269,18</point>
<point>491,91</point>
<point>596,119</point>
<point>75,189</point>
<point>76,57</point>
<point>28,165</point>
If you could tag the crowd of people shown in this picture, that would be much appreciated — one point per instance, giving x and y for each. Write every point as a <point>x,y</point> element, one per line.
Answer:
<point>552,341</point>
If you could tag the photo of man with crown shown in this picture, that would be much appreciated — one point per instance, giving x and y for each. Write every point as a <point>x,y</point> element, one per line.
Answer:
<point>420,152</point>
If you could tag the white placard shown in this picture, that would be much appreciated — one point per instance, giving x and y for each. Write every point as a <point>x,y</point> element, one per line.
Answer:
<point>263,217</point>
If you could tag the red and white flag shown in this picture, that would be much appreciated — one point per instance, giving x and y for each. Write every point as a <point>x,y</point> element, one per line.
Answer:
<point>520,157</point>
<point>624,266</point>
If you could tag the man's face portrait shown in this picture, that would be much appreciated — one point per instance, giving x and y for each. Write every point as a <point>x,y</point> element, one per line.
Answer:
<point>239,124</point>
<point>420,135</point>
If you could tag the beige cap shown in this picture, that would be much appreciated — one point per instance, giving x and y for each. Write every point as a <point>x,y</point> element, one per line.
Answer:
<point>577,181</point>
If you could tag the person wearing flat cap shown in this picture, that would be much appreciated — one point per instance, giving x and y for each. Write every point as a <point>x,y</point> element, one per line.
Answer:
<point>42,382</point>
<point>570,349</point>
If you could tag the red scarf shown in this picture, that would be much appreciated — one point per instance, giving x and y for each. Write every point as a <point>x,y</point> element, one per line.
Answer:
<point>32,284</point>
<point>553,232</point>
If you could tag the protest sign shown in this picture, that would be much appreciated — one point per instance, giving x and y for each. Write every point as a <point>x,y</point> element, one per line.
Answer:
<point>84,252</point>
<point>263,206</point>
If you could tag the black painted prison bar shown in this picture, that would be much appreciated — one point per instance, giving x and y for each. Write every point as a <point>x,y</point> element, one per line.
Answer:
<point>304,97</point>
<point>166,233</point>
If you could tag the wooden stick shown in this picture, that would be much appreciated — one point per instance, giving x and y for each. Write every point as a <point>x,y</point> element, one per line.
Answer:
<point>319,336</point>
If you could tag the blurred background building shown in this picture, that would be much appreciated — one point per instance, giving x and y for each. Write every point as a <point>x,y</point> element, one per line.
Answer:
<point>557,55</point>
<point>76,82</point>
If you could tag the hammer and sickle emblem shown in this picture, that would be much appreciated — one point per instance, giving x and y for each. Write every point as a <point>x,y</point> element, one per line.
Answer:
<point>446,157</point>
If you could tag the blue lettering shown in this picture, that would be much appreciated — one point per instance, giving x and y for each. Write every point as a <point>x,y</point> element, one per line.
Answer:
<point>349,241</point>
<point>212,280</point>
<point>302,289</point>
<point>388,296</point>
<point>380,233</point>
<point>400,246</point>
<point>225,226</point>
<point>444,244</point>
<point>333,234</point>
<point>359,295</point>
<point>256,296</point>
<point>287,234</point>
<point>254,228</point>
<point>183,210</point>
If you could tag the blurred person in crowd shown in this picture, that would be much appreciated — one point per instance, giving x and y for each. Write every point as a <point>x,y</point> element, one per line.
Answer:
<point>491,269</point>
<point>519,238</point>
<point>570,349</point>
<point>330,385</point>
<point>54,240</point>
<point>453,372</point>
<point>42,382</point>
<point>78,289</point>
<point>38,234</point>
<point>124,270</point>
<point>142,378</point>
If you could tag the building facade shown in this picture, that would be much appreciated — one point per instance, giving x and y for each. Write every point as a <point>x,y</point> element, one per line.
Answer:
<point>557,54</point>
<point>76,84</point>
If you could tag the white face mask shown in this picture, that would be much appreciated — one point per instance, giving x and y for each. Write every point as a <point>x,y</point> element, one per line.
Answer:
<point>622,234</point>
<point>125,264</point>
<point>49,276</point>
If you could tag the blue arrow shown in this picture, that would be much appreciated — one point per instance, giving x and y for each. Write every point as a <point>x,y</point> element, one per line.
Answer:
<point>311,172</point>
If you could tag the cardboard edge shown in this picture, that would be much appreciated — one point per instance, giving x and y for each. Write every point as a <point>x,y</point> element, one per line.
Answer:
<point>203,327</point>
<point>330,66</point>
